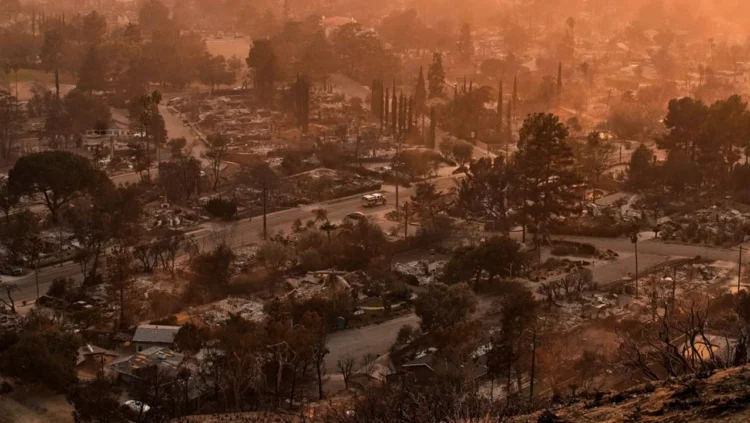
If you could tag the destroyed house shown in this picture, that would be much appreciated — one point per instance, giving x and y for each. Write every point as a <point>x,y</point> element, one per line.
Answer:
<point>131,369</point>
<point>427,366</point>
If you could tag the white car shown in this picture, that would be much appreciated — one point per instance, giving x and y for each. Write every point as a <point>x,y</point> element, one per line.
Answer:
<point>374,200</point>
<point>136,407</point>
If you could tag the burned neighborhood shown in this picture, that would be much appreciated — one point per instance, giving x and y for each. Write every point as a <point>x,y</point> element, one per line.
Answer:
<point>349,211</point>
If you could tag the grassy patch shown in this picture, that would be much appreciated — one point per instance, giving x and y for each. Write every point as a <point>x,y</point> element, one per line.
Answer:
<point>372,302</point>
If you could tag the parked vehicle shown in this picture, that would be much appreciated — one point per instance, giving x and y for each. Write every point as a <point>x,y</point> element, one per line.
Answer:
<point>11,270</point>
<point>356,216</point>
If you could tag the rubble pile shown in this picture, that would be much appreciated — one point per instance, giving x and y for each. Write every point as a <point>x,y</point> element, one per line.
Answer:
<point>166,216</point>
<point>316,284</point>
<point>216,313</point>
<point>425,271</point>
<point>10,321</point>
<point>147,285</point>
<point>325,184</point>
<point>715,226</point>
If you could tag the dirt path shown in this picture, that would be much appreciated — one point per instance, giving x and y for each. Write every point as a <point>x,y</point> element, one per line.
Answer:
<point>42,409</point>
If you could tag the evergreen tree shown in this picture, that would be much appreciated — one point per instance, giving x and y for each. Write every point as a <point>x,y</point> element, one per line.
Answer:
<point>436,76</point>
<point>515,91</point>
<point>394,111</point>
<point>302,102</point>
<point>420,95</point>
<point>383,106</point>
<point>401,114</point>
<point>559,79</point>
<point>500,109</point>
<point>546,165</point>
<point>386,109</point>
<point>465,47</point>
<point>410,125</point>
<point>433,129</point>
<point>509,123</point>
<point>93,73</point>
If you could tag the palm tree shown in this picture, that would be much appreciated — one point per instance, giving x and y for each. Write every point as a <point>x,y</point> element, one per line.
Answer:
<point>321,215</point>
<point>328,227</point>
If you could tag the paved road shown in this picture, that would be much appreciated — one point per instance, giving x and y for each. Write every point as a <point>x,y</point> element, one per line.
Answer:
<point>376,339</point>
<point>244,232</point>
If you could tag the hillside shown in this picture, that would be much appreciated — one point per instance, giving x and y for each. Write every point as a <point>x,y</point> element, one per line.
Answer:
<point>721,397</point>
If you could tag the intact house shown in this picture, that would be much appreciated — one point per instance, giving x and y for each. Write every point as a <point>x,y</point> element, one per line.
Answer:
<point>147,336</point>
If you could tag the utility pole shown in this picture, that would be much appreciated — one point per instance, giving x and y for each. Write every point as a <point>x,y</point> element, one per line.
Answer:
<point>636,267</point>
<point>634,240</point>
<point>265,209</point>
<point>533,365</point>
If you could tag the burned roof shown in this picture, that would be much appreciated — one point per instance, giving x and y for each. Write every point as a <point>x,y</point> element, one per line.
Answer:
<point>163,358</point>
<point>155,334</point>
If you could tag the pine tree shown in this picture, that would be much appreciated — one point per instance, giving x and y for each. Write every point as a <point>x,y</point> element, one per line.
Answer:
<point>420,95</point>
<point>385,106</point>
<point>436,76</point>
<point>515,90</point>
<point>559,79</point>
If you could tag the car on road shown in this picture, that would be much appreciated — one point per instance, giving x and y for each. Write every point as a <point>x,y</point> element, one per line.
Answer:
<point>374,200</point>
<point>11,270</point>
<point>358,216</point>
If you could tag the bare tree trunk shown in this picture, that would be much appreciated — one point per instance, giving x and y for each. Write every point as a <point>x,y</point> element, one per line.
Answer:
<point>57,82</point>
<point>319,369</point>
<point>265,211</point>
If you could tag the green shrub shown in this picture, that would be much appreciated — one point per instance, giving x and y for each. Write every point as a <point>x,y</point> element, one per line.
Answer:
<point>221,208</point>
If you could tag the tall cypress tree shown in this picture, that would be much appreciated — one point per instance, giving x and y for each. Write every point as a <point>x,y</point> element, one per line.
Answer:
<point>500,110</point>
<point>559,79</point>
<point>385,106</point>
<point>515,90</point>
<point>306,111</point>
<point>401,113</point>
<point>394,111</point>
<point>509,126</point>
<point>381,93</point>
<point>410,125</point>
<point>420,95</point>
<point>433,129</point>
